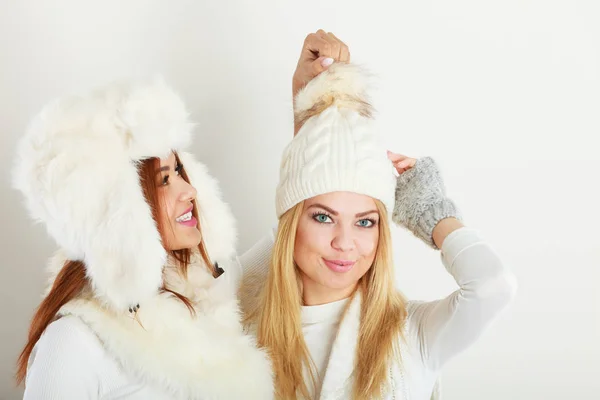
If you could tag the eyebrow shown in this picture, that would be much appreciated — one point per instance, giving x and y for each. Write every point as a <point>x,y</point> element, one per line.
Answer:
<point>165,168</point>
<point>335,213</point>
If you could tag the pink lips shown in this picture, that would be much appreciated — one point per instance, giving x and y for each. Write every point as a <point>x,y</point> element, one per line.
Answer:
<point>339,265</point>
<point>193,222</point>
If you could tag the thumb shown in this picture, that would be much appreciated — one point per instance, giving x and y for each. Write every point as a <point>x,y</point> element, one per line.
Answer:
<point>320,64</point>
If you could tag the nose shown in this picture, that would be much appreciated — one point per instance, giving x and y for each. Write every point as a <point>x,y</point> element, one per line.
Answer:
<point>343,240</point>
<point>188,192</point>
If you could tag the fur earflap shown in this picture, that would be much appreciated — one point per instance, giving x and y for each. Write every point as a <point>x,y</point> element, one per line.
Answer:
<point>76,167</point>
<point>218,225</point>
<point>343,85</point>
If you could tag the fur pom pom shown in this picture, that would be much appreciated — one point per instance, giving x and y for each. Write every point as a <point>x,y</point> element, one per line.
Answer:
<point>343,85</point>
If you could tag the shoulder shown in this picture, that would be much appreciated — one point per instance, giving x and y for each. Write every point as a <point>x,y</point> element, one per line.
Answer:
<point>71,334</point>
<point>68,358</point>
<point>67,346</point>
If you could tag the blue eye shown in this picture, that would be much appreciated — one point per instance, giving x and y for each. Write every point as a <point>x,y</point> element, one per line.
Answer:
<point>366,223</point>
<point>322,218</point>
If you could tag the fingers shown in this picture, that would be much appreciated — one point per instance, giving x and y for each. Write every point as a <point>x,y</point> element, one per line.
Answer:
<point>316,46</point>
<point>327,45</point>
<point>395,157</point>
<point>319,52</point>
<point>404,164</point>
<point>344,50</point>
<point>401,162</point>
<point>332,48</point>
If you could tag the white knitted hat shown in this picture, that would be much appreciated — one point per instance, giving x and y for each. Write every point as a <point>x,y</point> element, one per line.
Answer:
<point>336,149</point>
<point>76,167</point>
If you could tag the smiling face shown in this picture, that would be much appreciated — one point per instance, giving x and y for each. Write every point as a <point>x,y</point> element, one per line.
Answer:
<point>336,243</point>
<point>179,228</point>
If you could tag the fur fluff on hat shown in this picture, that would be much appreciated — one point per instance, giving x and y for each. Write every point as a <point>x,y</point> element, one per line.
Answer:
<point>77,169</point>
<point>337,148</point>
<point>342,85</point>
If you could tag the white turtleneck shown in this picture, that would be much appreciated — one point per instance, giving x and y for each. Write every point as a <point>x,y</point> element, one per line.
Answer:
<point>320,325</point>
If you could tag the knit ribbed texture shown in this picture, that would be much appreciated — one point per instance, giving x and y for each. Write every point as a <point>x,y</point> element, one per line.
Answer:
<point>421,200</point>
<point>335,151</point>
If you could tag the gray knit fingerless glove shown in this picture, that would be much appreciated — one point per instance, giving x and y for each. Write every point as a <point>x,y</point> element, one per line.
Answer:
<point>421,200</point>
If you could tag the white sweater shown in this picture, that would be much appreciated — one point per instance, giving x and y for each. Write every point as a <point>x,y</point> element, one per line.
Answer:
<point>320,325</point>
<point>70,362</point>
<point>435,331</point>
<point>91,353</point>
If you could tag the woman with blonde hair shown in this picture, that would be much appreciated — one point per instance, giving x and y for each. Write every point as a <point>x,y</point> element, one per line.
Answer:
<point>325,306</point>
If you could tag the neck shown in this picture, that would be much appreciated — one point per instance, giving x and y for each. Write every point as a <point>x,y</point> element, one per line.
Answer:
<point>314,294</point>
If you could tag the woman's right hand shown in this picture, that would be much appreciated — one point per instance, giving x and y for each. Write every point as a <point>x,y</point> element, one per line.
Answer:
<point>320,50</point>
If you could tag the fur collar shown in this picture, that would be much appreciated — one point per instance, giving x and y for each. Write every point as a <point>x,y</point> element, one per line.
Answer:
<point>205,356</point>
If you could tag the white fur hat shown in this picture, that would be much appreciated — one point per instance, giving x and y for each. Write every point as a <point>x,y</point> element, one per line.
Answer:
<point>77,168</point>
<point>337,148</point>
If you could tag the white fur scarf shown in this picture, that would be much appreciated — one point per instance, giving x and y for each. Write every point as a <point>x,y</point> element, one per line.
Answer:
<point>205,356</point>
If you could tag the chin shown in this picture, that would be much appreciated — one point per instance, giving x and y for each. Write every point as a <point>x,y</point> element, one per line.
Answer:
<point>188,242</point>
<point>339,283</point>
<point>193,243</point>
<point>184,246</point>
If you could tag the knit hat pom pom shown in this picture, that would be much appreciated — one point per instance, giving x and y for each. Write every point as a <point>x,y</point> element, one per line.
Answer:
<point>342,85</point>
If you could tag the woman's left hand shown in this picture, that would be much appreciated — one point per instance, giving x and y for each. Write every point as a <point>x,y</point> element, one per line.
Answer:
<point>401,162</point>
<point>422,206</point>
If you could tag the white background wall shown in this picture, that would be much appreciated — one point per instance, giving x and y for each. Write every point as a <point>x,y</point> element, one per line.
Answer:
<point>505,95</point>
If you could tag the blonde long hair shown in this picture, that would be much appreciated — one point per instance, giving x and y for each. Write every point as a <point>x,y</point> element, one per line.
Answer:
<point>278,322</point>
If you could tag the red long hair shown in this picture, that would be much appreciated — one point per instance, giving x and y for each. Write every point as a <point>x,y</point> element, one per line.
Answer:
<point>72,278</point>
